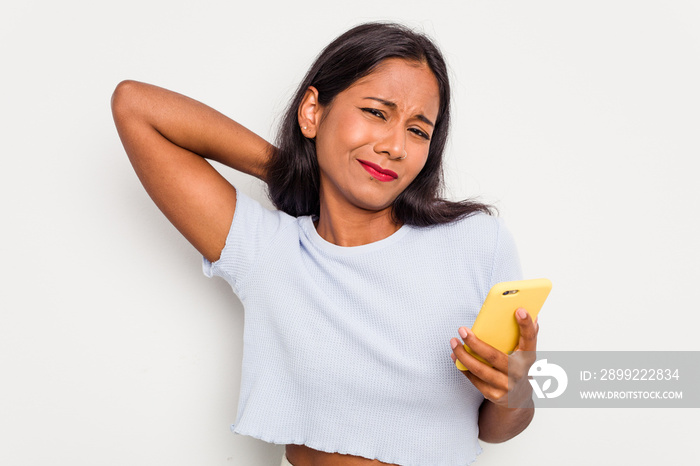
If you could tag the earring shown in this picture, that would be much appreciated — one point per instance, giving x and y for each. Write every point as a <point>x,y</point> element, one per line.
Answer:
<point>304,127</point>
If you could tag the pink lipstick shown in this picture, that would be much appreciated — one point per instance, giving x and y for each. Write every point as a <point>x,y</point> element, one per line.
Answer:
<point>378,172</point>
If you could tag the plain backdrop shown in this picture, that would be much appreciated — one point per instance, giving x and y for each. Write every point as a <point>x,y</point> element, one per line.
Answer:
<point>579,120</point>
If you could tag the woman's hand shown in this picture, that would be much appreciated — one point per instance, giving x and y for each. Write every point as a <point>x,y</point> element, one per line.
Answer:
<point>499,385</point>
<point>503,382</point>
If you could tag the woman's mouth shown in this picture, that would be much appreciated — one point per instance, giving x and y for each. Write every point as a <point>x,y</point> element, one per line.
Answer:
<point>377,172</point>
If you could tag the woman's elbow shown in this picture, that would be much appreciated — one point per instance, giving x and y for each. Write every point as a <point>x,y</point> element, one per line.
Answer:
<point>124,99</point>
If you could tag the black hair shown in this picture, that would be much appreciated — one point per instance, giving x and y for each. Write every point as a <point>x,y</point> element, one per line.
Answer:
<point>293,177</point>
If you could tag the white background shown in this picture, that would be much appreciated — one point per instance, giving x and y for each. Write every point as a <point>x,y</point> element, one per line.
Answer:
<point>579,119</point>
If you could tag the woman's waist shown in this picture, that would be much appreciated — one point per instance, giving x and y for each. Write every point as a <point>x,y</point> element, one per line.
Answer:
<point>301,455</point>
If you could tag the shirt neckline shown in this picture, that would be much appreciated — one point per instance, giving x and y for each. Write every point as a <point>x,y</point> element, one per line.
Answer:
<point>318,241</point>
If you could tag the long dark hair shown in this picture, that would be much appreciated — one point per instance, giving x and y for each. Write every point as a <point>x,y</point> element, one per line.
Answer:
<point>293,175</point>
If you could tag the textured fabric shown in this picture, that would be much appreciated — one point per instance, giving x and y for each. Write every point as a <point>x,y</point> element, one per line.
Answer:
<point>347,349</point>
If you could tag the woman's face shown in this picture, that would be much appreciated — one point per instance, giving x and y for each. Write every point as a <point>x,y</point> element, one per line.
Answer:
<point>373,139</point>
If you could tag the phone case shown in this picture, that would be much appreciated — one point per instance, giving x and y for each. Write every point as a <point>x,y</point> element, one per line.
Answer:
<point>496,323</point>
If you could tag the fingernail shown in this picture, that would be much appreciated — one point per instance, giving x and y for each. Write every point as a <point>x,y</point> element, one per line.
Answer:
<point>463,332</point>
<point>522,313</point>
<point>454,343</point>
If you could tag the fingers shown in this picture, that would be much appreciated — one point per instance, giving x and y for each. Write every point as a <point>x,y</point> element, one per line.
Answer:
<point>496,383</point>
<point>473,366</point>
<point>495,376</point>
<point>528,331</point>
<point>486,367</point>
<point>491,391</point>
<point>483,350</point>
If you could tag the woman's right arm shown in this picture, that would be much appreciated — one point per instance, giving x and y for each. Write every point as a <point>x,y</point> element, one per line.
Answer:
<point>167,137</point>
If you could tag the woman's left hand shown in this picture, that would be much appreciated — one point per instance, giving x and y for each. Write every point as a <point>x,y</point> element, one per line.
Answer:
<point>503,387</point>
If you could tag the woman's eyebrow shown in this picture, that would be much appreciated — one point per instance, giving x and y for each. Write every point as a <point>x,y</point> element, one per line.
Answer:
<point>392,106</point>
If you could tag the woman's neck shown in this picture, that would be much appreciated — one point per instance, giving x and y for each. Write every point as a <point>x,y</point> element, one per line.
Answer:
<point>354,228</point>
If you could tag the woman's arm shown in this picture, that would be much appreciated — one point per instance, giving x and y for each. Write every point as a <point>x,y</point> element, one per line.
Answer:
<point>167,137</point>
<point>498,424</point>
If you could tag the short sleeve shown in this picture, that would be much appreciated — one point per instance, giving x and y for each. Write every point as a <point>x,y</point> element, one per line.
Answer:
<point>253,228</point>
<point>506,262</point>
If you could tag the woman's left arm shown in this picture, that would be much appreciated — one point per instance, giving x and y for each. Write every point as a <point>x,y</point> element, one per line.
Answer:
<point>508,407</point>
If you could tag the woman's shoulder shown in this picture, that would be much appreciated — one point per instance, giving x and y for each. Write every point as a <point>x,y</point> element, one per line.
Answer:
<point>477,224</point>
<point>253,208</point>
<point>478,233</point>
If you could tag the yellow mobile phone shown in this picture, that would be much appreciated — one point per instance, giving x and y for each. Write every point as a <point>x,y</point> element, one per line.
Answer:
<point>496,324</point>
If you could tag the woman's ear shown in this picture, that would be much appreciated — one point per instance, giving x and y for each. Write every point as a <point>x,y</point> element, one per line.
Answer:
<point>310,113</point>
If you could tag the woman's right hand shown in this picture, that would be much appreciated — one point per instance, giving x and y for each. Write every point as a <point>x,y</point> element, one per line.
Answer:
<point>167,137</point>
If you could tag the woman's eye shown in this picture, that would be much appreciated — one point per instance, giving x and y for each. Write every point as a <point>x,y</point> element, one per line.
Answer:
<point>374,112</point>
<point>420,133</point>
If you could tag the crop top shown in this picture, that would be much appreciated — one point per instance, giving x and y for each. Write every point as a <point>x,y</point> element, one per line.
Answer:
<point>347,349</point>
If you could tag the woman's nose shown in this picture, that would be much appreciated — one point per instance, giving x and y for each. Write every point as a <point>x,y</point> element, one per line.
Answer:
<point>393,143</point>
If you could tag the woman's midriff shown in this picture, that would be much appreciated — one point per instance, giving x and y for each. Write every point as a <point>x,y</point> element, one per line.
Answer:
<point>301,455</point>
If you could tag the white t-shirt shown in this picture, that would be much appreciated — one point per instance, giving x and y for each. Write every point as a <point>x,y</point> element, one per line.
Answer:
<point>347,349</point>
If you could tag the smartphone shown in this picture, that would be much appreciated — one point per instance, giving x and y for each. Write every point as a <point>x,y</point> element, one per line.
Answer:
<point>496,323</point>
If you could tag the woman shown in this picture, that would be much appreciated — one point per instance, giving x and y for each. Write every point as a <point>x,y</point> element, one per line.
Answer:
<point>356,286</point>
